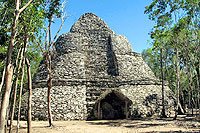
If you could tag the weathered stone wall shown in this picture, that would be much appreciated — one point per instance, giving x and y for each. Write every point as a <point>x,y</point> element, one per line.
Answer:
<point>147,100</point>
<point>132,67</point>
<point>121,46</point>
<point>69,66</point>
<point>79,101</point>
<point>67,103</point>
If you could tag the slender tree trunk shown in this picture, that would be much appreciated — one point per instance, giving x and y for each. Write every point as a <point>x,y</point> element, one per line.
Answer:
<point>198,101</point>
<point>190,86</point>
<point>22,78</point>
<point>49,78</point>
<point>2,79</point>
<point>189,100</point>
<point>29,96</point>
<point>177,82</point>
<point>183,98</point>
<point>20,95</point>
<point>5,100</point>
<point>49,82</point>
<point>162,77</point>
<point>9,73</point>
<point>190,89</point>
<point>12,93</point>
<point>49,85</point>
<point>192,101</point>
<point>15,88</point>
<point>7,116</point>
<point>198,85</point>
<point>198,95</point>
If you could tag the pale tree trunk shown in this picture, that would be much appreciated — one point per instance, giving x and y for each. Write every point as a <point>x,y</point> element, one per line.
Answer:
<point>162,77</point>
<point>2,78</point>
<point>198,100</point>
<point>9,107</point>
<point>183,99</point>
<point>49,85</point>
<point>190,86</point>
<point>5,100</point>
<point>12,93</point>
<point>20,95</point>
<point>197,65</point>
<point>177,83</point>
<point>49,78</point>
<point>29,96</point>
<point>189,92</point>
<point>7,115</point>
<point>22,78</point>
<point>192,100</point>
<point>9,73</point>
<point>9,67</point>
<point>15,88</point>
<point>198,90</point>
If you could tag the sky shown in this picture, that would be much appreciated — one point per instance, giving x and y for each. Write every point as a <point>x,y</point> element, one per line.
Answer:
<point>124,17</point>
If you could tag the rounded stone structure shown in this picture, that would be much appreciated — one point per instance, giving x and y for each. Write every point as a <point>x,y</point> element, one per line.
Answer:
<point>96,75</point>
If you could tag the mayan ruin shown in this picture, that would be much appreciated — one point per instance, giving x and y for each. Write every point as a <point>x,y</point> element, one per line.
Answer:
<point>96,75</point>
<point>99,66</point>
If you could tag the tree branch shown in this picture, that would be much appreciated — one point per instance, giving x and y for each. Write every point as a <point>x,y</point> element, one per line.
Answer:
<point>17,4</point>
<point>40,46</point>
<point>46,37</point>
<point>61,25</point>
<point>49,31</point>
<point>2,80</point>
<point>25,6</point>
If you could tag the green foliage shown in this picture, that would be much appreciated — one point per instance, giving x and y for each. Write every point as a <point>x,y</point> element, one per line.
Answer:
<point>52,9</point>
<point>31,21</point>
<point>32,24</point>
<point>176,27</point>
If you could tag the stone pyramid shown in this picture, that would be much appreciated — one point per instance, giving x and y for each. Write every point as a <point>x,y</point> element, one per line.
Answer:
<point>96,75</point>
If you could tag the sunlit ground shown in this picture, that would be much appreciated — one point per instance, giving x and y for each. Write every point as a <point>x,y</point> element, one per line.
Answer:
<point>114,126</point>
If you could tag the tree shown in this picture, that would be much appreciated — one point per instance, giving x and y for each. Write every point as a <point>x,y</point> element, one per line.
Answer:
<point>181,20</point>
<point>9,66</point>
<point>53,8</point>
<point>29,96</point>
<point>22,81</point>
<point>30,28</point>
<point>25,25</point>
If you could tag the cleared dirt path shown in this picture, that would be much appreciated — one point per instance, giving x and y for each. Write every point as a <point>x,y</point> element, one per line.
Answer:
<point>114,126</point>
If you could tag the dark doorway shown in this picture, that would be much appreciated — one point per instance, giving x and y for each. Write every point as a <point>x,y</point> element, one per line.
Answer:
<point>113,106</point>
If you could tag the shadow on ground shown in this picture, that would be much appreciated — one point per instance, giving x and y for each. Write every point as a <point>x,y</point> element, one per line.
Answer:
<point>146,123</point>
<point>127,123</point>
<point>23,127</point>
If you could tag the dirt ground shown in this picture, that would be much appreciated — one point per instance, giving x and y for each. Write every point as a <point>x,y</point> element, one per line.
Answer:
<point>113,126</point>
